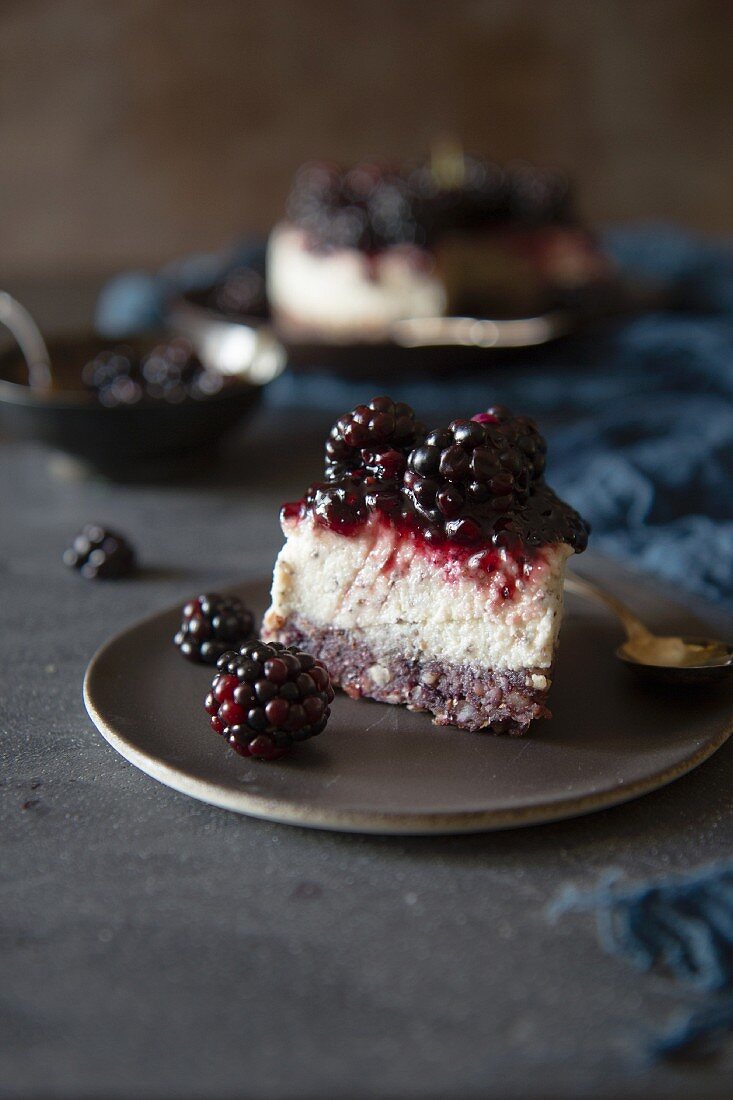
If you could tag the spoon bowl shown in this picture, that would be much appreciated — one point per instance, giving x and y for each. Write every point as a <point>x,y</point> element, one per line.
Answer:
<point>668,659</point>
<point>699,660</point>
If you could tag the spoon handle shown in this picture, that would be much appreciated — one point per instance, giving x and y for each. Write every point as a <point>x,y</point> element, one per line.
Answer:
<point>580,587</point>
<point>29,339</point>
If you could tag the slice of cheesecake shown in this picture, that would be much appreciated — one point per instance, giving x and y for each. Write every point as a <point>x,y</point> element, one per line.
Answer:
<point>428,568</point>
<point>365,247</point>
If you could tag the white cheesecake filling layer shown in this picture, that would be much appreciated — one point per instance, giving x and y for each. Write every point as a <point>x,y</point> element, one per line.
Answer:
<point>382,586</point>
<point>345,288</point>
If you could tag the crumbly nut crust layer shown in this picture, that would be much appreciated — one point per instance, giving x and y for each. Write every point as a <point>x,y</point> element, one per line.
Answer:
<point>463,695</point>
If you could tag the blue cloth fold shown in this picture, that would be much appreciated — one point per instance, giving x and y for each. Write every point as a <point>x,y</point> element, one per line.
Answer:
<point>681,926</point>
<point>639,415</point>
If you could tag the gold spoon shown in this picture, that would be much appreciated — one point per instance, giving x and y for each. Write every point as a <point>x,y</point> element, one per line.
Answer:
<point>671,658</point>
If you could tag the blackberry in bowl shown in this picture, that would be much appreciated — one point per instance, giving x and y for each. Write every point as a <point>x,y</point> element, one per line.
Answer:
<point>146,406</point>
<point>170,371</point>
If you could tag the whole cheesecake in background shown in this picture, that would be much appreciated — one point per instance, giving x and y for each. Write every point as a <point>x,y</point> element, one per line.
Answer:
<point>427,568</point>
<point>364,247</point>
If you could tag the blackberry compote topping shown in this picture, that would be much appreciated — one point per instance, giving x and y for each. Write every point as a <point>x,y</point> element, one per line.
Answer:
<point>212,625</point>
<point>366,457</point>
<point>100,554</point>
<point>371,207</point>
<point>367,207</point>
<point>169,372</point>
<point>266,697</point>
<point>477,481</point>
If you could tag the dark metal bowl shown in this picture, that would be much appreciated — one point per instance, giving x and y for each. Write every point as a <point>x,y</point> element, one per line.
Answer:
<point>118,440</point>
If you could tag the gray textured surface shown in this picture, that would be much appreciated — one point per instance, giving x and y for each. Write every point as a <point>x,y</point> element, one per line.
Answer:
<point>153,946</point>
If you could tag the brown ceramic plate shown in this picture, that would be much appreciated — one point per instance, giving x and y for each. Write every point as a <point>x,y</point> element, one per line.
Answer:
<point>380,769</point>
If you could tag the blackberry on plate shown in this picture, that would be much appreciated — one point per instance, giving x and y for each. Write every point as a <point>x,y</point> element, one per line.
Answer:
<point>266,697</point>
<point>100,554</point>
<point>372,437</point>
<point>211,625</point>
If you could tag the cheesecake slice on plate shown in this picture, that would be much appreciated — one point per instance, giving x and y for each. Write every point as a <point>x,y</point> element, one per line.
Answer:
<point>427,567</point>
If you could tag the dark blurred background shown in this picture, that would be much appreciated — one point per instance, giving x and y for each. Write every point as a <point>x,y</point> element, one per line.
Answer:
<point>135,131</point>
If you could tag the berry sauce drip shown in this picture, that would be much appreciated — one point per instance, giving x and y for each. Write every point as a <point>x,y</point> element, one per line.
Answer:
<point>100,554</point>
<point>169,372</point>
<point>473,491</point>
<point>267,697</point>
<point>371,206</point>
<point>211,626</point>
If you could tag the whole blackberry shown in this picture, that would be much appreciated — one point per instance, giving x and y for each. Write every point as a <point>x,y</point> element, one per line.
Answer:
<point>114,377</point>
<point>100,554</point>
<point>391,214</point>
<point>368,207</point>
<point>169,372</point>
<point>339,506</point>
<point>374,439</point>
<point>211,625</point>
<point>172,372</point>
<point>266,697</point>
<point>474,469</point>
